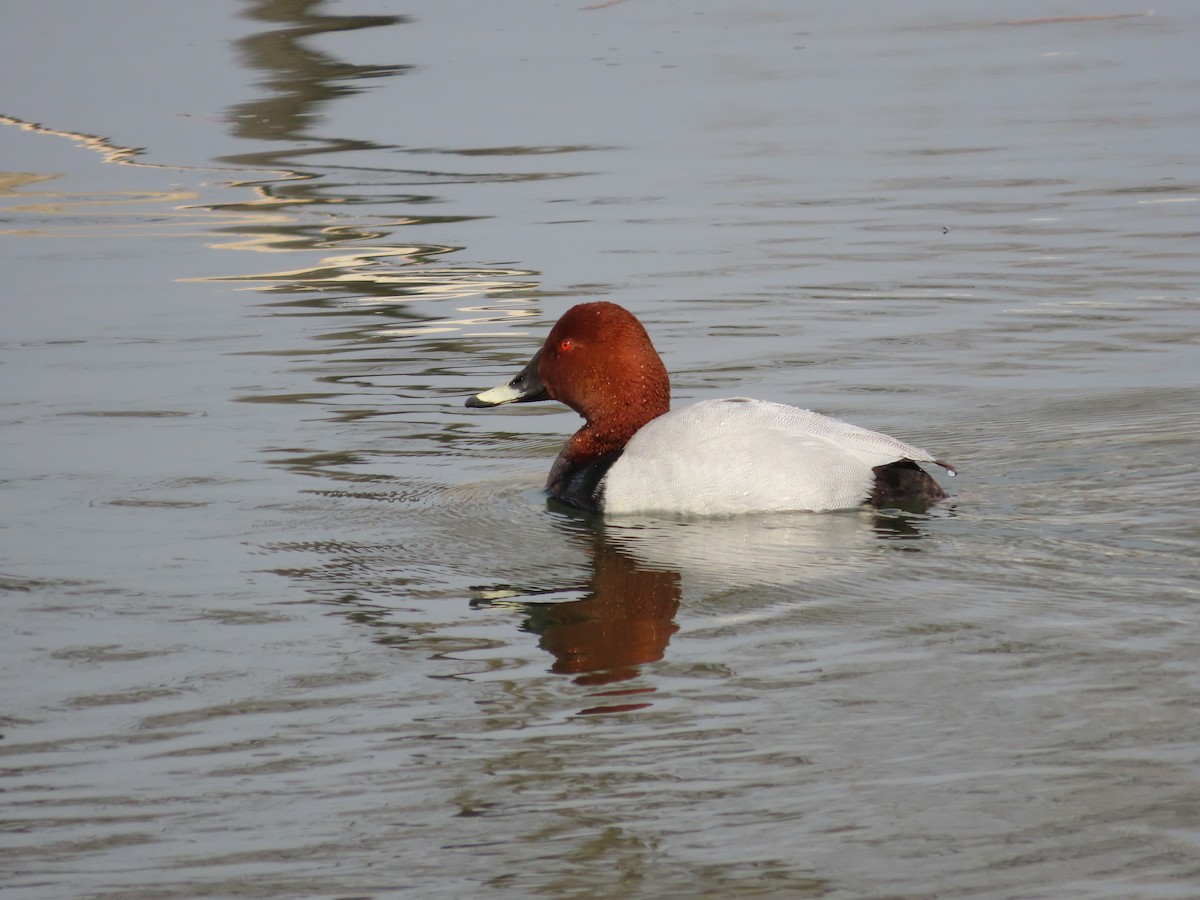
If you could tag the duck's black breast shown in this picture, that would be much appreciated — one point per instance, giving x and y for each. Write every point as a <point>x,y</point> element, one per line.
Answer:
<point>581,486</point>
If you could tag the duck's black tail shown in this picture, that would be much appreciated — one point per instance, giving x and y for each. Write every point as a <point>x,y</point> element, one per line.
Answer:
<point>904,485</point>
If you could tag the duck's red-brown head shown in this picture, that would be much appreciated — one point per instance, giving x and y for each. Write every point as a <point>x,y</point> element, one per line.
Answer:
<point>598,360</point>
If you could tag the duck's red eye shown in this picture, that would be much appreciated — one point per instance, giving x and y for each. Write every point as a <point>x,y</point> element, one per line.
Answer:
<point>566,346</point>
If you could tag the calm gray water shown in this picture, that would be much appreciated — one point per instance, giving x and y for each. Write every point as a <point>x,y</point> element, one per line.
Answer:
<point>282,618</point>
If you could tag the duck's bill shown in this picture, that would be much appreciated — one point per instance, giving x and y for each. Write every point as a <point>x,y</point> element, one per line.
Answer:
<point>526,387</point>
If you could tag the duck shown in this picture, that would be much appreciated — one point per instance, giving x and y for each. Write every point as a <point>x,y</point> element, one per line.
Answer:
<point>634,455</point>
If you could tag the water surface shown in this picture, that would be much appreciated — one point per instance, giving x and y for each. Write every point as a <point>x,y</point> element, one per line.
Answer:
<point>283,618</point>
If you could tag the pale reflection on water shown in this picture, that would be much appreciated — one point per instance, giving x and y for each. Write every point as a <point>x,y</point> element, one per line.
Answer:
<point>286,620</point>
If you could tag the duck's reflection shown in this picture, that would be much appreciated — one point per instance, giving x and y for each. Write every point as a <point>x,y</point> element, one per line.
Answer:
<point>626,617</point>
<point>626,620</point>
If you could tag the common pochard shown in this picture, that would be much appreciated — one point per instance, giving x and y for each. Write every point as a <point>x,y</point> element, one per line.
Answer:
<point>716,457</point>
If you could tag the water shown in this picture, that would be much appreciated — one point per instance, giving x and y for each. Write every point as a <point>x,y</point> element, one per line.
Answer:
<point>283,618</point>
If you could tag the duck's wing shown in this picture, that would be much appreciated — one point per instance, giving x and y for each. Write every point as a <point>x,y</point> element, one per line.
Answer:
<point>873,447</point>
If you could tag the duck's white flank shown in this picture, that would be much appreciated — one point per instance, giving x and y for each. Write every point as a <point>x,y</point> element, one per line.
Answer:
<point>780,457</point>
